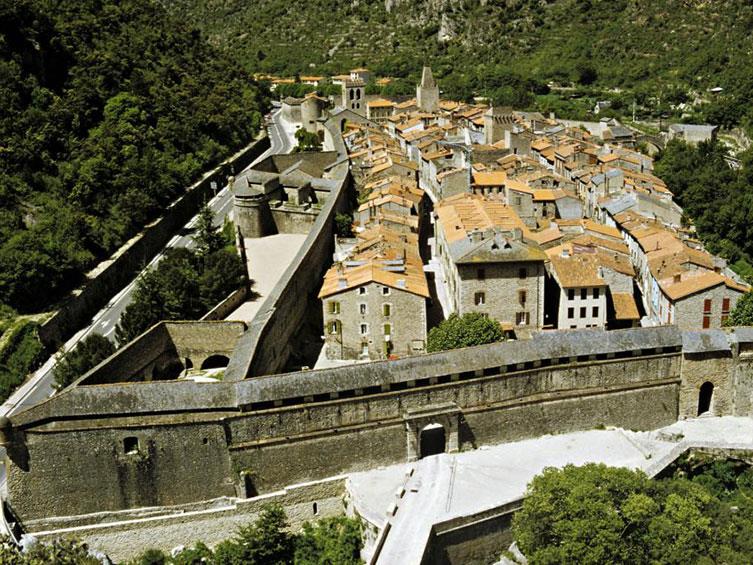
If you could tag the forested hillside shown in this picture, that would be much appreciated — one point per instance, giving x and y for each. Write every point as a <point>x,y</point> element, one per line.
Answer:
<point>109,109</point>
<point>667,50</point>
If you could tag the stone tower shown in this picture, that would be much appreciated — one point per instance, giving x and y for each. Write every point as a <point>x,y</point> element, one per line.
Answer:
<point>251,210</point>
<point>354,95</point>
<point>427,93</point>
<point>497,121</point>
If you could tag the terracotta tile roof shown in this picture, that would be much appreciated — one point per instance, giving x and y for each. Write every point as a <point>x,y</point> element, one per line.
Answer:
<point>491,178</point>
<point>464,213</point>
<point>576,270</point>
<point>406,104</point>
<point>624,306</point>
<point>407,125</point>
<point>697,283</point>
<point>380,103</point>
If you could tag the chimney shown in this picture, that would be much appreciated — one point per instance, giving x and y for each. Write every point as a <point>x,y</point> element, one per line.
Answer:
<point>677,278</point>
<point>475,235</point>
<point>565,253</point>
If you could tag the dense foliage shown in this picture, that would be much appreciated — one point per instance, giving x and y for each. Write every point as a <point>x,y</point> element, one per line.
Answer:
<point>184,286</point>
<point>596,514</point>
<point>331,541</point>
<point>87,354</point>
<point>717,197</point>
<point>59,552</point>
<point>109,109</point>
<point>307,141</point>
<point>659,53</point>
<point>469,329</point>
<point>20,353</point>
<point>742,314</point>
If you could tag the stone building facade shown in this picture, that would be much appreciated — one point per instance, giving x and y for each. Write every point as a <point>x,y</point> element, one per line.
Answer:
<point>374,321</point>
<point>489,265</point>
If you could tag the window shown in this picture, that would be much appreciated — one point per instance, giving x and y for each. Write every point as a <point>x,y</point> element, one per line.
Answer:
<point>522,296</point>
<point>364,329</point>
<point>596,294</point>
<point>583,293</point>
<point>706,321</point>
<point>364,348</point>
<point>362,290</point>
<point>334,307</point>
<point>131,445</point>
<point>522,273</point>
<point>595,312</point>
<point>481,274</point>
<point>582,311</point>
<point>516,201</point>
<point>387,329</point>
<point>479,299</point>
<point>362,309</point>
<point>571,312</point>
<point>385,291</point>
<point>707,306</point>
<point>725,305</point>
<point>571,294</point>
<point>386,310</point>
<point>522,318</point>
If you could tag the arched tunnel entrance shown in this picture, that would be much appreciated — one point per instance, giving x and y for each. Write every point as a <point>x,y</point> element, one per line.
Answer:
<point>433,440</point>
<point>215,362</point>
<point>705,398</point>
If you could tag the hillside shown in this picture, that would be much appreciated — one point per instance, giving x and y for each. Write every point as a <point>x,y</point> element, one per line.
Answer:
<point>109,109</point>
<point>667,50</point>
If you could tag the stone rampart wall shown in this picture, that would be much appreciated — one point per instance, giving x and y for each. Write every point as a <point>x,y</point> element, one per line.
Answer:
<point>267,346</point>
<point>190,456</point>
<point>117,272</point>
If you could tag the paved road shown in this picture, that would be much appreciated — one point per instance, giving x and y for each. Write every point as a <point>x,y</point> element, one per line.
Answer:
<point>39,387</point>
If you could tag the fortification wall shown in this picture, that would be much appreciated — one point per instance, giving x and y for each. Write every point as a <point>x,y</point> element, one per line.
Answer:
<point>129,533</point>
<point>289,220</point>
<point>136,361</point>
<point>268,344</point>
<point>115,273</point>
<point>194,443</point>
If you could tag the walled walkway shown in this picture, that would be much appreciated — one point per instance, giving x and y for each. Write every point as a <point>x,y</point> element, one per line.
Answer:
<point>449,486</point>
<point>268,257</point>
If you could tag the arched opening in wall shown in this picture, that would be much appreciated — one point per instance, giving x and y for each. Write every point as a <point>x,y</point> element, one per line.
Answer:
<point>215,362</point>
<point>705,398</point>
<point>188,363</point>
<point>432,440</point>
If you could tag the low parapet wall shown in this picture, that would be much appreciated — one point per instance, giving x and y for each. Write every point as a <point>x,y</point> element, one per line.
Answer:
<point>124,535</point>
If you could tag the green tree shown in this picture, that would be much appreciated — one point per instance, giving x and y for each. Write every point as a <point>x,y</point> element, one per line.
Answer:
<point>344,225</point>
<point>467,330</point>
<point>265,542</point>
<point>86,355</point>
<point>598,514</point>
<point>208,236</point>
<point>307,141</point>
<point>742,313</point>
<point>331,541</point>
